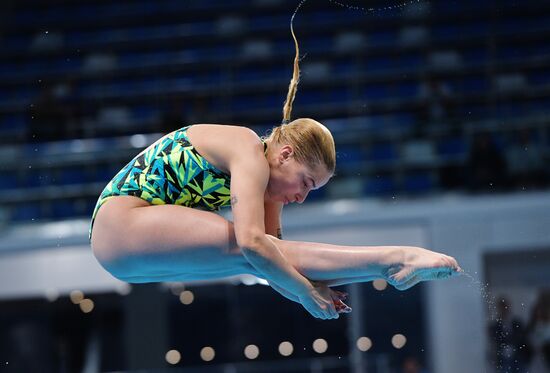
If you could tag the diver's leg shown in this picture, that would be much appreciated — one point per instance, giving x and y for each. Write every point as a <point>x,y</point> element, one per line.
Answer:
<point>133,239</point>
<point>401,266</point>
<point>325,262</point>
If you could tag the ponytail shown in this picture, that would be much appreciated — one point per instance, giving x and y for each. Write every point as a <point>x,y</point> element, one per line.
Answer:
<point>312,142</point>
<point>293,86</point>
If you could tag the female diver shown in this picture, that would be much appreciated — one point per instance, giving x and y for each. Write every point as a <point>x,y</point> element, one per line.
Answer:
<point>150,223</point>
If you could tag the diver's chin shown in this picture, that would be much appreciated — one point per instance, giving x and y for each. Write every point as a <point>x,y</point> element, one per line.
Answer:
<point>273,198</point>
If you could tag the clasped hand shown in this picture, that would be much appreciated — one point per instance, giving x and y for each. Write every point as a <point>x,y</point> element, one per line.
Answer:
<point>323,302</point>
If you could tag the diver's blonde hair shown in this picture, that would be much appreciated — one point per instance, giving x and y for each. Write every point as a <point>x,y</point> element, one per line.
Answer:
<point>312,142</point>
<point>293,86</point>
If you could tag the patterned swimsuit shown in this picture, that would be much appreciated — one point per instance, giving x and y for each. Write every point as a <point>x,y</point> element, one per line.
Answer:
<point>170,171</point>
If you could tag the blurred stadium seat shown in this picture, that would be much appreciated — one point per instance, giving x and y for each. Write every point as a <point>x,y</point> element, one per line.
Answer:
<point>114,75</point>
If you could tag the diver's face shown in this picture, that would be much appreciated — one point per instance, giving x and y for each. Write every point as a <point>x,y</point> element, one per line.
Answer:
<point>290,181</point>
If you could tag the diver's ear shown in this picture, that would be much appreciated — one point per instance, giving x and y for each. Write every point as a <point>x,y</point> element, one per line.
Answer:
<point>285,153</point>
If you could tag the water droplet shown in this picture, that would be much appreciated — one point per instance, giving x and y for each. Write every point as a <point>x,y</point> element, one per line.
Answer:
<point>370,10</point>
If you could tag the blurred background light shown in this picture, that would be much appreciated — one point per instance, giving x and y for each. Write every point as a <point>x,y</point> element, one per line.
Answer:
<point>76,296</point>
<point>286,348</point>
<point>187,297</point>
<point>86,305</point>
<point>251,352</point>
<point>364,343</point>
<point>173,357</point>
<point>398,341</point>
<point>208,354</point>
<point>320,346</point>
<point>380,284</point>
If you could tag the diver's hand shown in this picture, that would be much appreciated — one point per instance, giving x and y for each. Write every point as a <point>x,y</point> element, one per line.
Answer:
<point>338,297</point>
<point>420,265</point>
<point>318,302</point>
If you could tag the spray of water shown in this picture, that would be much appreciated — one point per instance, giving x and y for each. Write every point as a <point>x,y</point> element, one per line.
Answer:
<point>373,9</point>
<point>396,6</point>
<point>505,352</point>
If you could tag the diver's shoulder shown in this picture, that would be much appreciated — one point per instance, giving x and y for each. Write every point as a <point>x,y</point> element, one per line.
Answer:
<point>221,144</point>
<point>227,132</point>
